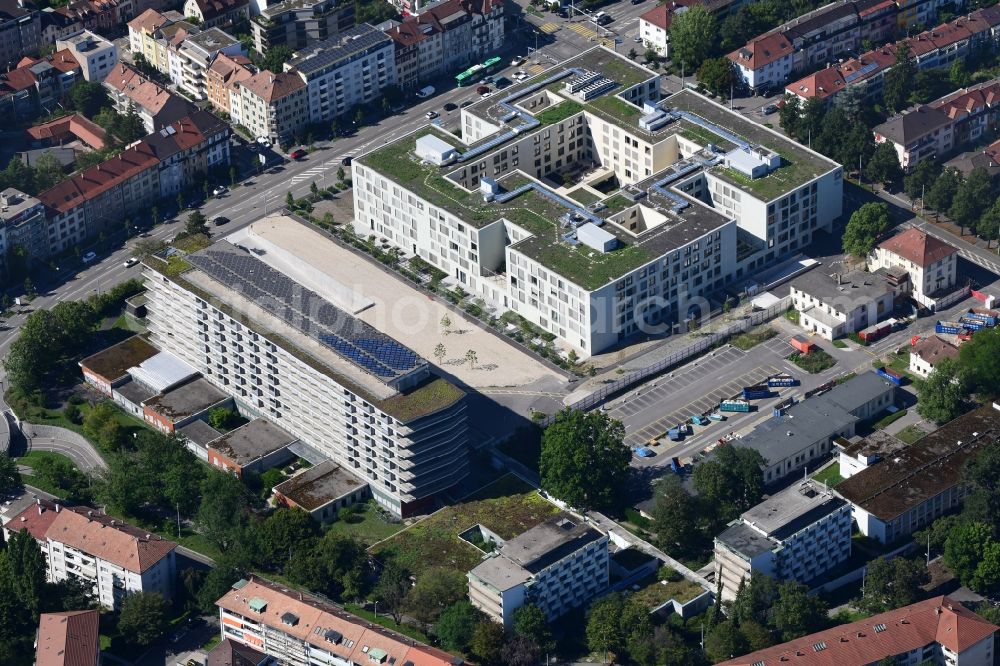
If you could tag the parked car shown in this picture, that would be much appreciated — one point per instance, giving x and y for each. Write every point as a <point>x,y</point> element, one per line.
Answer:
<point>769,109</point>
<point>517,61</point>
<point>298,154</point>
<point>88,257</point>
<point>450,107</point>
<point>431,115</point>
<point>636,2</point>
<point>466,103</point>
<point>562,13</point>
<point>425,92</point>
<point>219,220</point>
<point>264,141</point>
<point>502,82</point>
<point>519,75</point>
<point>130,262</point>
<point>219,190</point>
<point>345,162</point>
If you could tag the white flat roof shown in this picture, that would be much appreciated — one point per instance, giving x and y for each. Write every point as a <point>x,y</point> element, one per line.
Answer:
<point>162,371</point>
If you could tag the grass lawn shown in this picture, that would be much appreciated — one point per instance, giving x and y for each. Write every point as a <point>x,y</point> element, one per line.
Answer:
<point>814,362</point>
<point>37,482</point>
<point>792,316</point>
<point>910,434</point>
<point>829,475</point>
<point>657,592</point>
<point>753,337</point>
<point>128,323</point>
<point>846,377</point>
<point>507,507</point>
<point>387,621</point>
<point>211,643</point>
<point>584,196</point>
<point>840,344</point>
<point>370,529</point>
<point>888,419</point>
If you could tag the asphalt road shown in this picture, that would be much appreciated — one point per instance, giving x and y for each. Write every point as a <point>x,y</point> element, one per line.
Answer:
<point>84,457</point>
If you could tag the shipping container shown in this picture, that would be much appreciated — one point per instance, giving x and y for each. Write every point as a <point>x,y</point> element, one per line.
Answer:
<point>699,420</point>
<point>972,324</point>
<point>756,392</point>
<point>873,333</point>
<point>782,380</point>
<point>948,327</point>
<point>734,406</point>
<point>802,344</point>
<point>989,317</point>
<point>893,376</point>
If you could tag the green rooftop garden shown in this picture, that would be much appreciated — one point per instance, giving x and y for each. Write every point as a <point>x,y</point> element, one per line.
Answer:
<point>583,265</point>
<point>775,184</point>
<point>658,592</point>
<point>506,507</point>
<point>617,203</point>
<point>559,112</point>
<point>583,196</point>
<point>616,109</point>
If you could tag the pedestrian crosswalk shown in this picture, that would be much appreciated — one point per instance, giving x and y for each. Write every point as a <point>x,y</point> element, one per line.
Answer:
<point>582,30</point>
<point>549,28</point>
<point>315,173</point>
<point>536,69</point>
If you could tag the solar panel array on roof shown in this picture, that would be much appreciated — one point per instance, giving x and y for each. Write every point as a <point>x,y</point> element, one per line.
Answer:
<point>306,311</point>
<point>328,52</point>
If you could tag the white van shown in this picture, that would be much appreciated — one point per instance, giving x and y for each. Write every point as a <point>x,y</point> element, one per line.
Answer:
<point>425,92</point>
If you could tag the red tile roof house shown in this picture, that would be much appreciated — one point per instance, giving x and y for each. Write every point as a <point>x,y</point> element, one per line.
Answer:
<point>116,558</point>
<point>68,639</point>
<point>931,264</point>
<point>66,129</point>
<point>37,85</point>
<point>765,61</point>
<point>937,630</point>
<point>157,106</point>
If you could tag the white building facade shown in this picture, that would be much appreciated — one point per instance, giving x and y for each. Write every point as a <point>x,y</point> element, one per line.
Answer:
<point>97,56</point>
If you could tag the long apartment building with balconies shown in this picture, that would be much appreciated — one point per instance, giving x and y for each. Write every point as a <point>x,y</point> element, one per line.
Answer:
<point>113,559</point>
<point>558,565</point>
<point>300,23</point>
<point>587,204</point>
<point>797,534</point>
<point>293,353</point>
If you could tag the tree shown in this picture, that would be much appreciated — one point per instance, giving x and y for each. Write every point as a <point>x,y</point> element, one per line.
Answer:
<point>275,58</point>
<point>584,460</point>
<point>130,127</point>
<point>981,474</point>
<point>10,478</point>
<point>530,621</point>
<point>790,115</point>
<point>143,617</point>
<point>900,79</point>
<point>457,626</point>
<point>864,228</point>
<point>988,225</point>
<point>733,481</point>
<point>754,600</point>
<point>359,115</point>
<point>223,509</point>
<point>289,199</point>
<point>942,193</point>
<point>662,647</point>
<point>716,74</point>
<point>883,167</point>
<point>920,179</point>
<point>757,635</point>
<point>341,174</point>
<point>692,35</point>
<point>196,224</point>
<point>446,324</point>
<point>88,97</point>
<point>282,532</point>
<point>941,397</point>
<point>223,418</point>
<point>391,590</point>
<point>439,352</point>
<point>228,569</point>
<point>435,589</point>
<point>964,549</point>
<point>892,584</point>
<point>725,641</point>
<point>971,199</point>
<point>48,172</point>
<point>335,566</point>
<point>487,642</point>
<point>519,651</point>
<point>19,175</point>
<point>795,613</point>
<point>604,627</point>
<point>101,426</point>
<point>675,513</point>
<point>651,56</point>
<point>958,74</point>
<point>979,361</point>
<point>471,357</point>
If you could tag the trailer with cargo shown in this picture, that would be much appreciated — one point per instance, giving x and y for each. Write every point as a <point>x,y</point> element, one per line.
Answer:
<point>972,324</point>
<point>699,420</point>
<point>734,406</point>
<point>782,381</point>
<point>896,378</point>
<point>876,331</point>
<point>717,416</point>
<point>988,317</point>
<point>952,327</point>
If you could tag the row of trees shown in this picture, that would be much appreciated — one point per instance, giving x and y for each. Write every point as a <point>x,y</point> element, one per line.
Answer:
<point>968,201</point>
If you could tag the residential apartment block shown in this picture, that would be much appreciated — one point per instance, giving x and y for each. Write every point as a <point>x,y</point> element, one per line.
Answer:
<point>346,390</point>
<point>96,55</point>
<point>114,558</point>
<point>295,628</point>
<point>446,37</point>
<point>160,165</point>
<point>345,71</point>
<point>38,85</point>
<point>157,106</point>
<point>222,77</point>
<point>22,224</point>
<point>896,496</point>
<point>274,106</point>
<point>558,565</point>
<point>190,59</point>
<point>930,263</point>
<point>654,29</point>
<point>68,639</point>
<point>218,13</point>
<point>932,131</point>
<point>797,534</point>
<point>939,630</point>
<point>20,32</point>
<point>300,23</point>
<point>686,196</point>
<point>935,48</point>
<point>142,34</point>
<point>834,305</point>
<point>817,38</point>
<point>804,433</point>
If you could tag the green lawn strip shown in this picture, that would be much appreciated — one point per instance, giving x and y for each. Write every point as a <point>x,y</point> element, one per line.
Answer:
<point>840,344</point>
<point>888,419</point>
<point>814,362</point>
<point>583,196</point>
<point>506,507</point>
<point>370,529</point>
<point>387,622</point>
<point>829,475</point>
<point>792,316</point>
<point>910,434</point>
<point>656,593</point>
<point>753,337</point>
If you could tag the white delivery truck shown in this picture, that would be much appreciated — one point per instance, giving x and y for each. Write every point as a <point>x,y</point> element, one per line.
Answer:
<point>426,91</point>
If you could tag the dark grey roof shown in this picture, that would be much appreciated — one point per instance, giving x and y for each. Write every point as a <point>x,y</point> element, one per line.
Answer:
<point>793,509</point>
<point>745,540</point>
<point>853,285</point>
<point>187,400</point>
<point>318,486</point>
<point>135,392</point>
<point>912,125</point>
<point>857,391</point>
<point>323,54</point>
<point>252,441</point>
<point>818,19</point>
<point>199,432</point>
<point>549,542</point>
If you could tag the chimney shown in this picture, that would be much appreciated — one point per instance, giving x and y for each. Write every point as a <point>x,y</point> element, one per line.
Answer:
<point>41,509</point>
<point>58,507</point>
